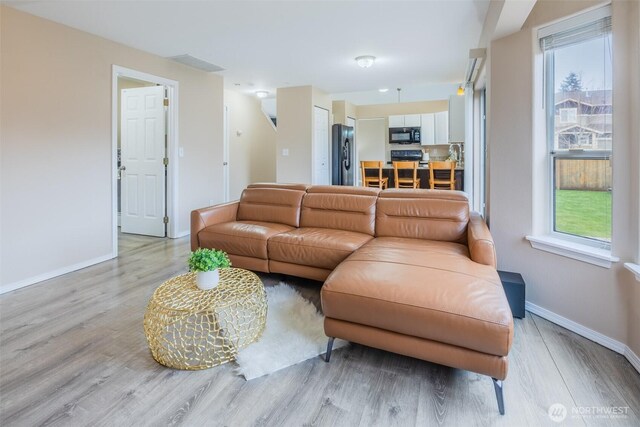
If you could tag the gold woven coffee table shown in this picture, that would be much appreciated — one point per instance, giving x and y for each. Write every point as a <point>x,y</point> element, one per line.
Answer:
<point>188,328</point>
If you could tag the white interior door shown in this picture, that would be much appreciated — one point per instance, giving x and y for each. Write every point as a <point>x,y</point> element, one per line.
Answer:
<point>225,156</point>
<point>143,152</point>
<point>321,172</point>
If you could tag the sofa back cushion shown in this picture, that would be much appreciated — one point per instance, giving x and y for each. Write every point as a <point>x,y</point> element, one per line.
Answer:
<point>271,203</point>
<point>340,208</point>
<point>299,187</point>
<point>433,215</point>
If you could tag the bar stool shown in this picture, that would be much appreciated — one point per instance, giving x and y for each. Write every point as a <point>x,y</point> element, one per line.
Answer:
<point>442,175</point>
<point>373,181</point>
<point>404,182</point>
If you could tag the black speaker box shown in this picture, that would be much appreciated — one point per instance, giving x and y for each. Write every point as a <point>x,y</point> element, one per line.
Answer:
<point>514,288</point>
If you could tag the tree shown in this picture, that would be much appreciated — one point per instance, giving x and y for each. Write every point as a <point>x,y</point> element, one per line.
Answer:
<point>571,83</point>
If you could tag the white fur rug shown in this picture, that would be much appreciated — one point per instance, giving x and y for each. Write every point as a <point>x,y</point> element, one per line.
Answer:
<point>294,333</point>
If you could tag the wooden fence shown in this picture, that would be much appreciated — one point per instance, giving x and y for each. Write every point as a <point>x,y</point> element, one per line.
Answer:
<point>583,174</point>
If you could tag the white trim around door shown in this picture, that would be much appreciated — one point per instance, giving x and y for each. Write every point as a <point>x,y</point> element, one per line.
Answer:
<point>172,147</point>
<point>225,156</point>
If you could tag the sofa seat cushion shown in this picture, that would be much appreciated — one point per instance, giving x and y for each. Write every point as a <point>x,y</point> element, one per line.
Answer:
<point>315,247</point>
<point>246,238</point>
<point>407,247</point>
<point>430,290</point>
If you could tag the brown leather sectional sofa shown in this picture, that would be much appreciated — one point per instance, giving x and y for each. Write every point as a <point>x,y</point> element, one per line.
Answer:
<point>408,271</point>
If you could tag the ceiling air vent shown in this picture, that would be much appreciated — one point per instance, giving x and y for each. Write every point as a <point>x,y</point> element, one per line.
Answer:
<point>196,63</point>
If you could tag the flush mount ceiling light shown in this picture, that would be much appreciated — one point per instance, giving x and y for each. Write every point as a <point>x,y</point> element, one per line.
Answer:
<point>460,90</point>
<point>383,90</point>
<point>365,61</point>
<point>262,93</point>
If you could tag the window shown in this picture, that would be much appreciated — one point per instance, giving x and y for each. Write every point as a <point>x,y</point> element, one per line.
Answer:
<point>578,102</point>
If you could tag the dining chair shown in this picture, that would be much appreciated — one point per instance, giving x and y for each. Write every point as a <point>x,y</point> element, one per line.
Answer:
<point>442,175</point>
<point>404,181</point>
<point>373,181</point>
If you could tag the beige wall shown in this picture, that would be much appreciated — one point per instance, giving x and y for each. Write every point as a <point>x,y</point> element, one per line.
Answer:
<point>295,131</point>
<point>323,100</point>
<point>371,136</point>
<point>342,110</point>
<point>633,27</point>
<point>252,154</point>
<point>604,300</point>
<point>295,125</point>
<point>547,11</point>
<point>56,211</point>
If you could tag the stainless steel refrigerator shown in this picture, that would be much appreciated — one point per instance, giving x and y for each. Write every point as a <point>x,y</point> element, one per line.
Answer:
<point>343,155</point>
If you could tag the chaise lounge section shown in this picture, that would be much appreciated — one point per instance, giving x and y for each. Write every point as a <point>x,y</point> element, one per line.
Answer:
<point>417,290</point>
<point>407,271</point>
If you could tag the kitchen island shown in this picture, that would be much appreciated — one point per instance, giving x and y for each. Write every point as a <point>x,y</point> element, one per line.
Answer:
<point>423,174</point>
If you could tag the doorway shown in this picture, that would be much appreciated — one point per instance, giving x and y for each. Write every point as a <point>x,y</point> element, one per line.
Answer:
<point>144,154</point>
<point>320,164</point>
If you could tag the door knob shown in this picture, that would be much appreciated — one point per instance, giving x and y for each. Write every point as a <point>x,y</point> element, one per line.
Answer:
<point>224,163</point>
<point>122,168</point>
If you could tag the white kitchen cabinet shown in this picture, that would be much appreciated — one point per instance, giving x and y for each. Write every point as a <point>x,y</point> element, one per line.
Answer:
<point>428,129</point>
<point>456,118</point>
<point>406,121</point>
<point>396,121</point>
<point>442,127</point>
<point>412,120</point>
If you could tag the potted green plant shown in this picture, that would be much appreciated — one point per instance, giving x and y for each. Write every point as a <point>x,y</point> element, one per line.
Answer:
<point>206,263</point>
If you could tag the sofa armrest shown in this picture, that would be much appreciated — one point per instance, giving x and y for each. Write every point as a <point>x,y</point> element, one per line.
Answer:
<point>481,247</point>
<point>203,218</point>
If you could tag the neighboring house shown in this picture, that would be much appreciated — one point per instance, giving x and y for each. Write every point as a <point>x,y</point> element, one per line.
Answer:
<point>583,120</point>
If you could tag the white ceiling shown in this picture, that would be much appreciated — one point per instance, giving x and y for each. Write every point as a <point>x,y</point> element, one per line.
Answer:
<point>263,45</point>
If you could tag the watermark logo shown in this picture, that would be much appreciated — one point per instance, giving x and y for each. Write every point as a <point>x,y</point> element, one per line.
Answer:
<point>557,412</point>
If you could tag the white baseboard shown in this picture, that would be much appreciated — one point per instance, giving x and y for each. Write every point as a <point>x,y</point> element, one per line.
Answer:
<point>590,334</point>
<point>632,358</point>
<point>55,273</point>
<point>182,234</point>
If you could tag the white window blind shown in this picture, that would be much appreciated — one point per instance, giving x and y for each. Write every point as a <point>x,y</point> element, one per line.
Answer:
<point>595,23</point>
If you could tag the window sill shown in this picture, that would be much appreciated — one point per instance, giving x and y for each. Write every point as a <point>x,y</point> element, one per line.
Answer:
<point>634,268</point>
<point>577,251</point>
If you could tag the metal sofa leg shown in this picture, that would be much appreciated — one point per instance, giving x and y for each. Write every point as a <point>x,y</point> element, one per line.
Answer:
<point>498,386</point>
<point>327,356</point>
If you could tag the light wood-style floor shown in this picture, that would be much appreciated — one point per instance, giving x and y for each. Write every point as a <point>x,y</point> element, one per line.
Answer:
<point>73,353</point>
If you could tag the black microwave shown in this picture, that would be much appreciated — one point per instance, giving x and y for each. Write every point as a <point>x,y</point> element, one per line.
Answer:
<point>404,135</point>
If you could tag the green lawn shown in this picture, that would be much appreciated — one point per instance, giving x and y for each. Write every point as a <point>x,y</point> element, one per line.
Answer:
<point>584,213</point>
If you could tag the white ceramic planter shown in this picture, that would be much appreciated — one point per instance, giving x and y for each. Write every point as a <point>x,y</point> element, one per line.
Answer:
<point>208,279</point>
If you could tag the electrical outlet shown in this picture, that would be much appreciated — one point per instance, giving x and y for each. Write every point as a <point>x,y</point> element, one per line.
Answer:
<point>210,202</point>
<point>285,151</point>
<point>181,151</point>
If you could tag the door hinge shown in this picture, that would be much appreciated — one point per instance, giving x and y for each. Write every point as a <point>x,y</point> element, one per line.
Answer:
<point>165,161</point>
<point>165,220</point>
<point>166,102</point>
